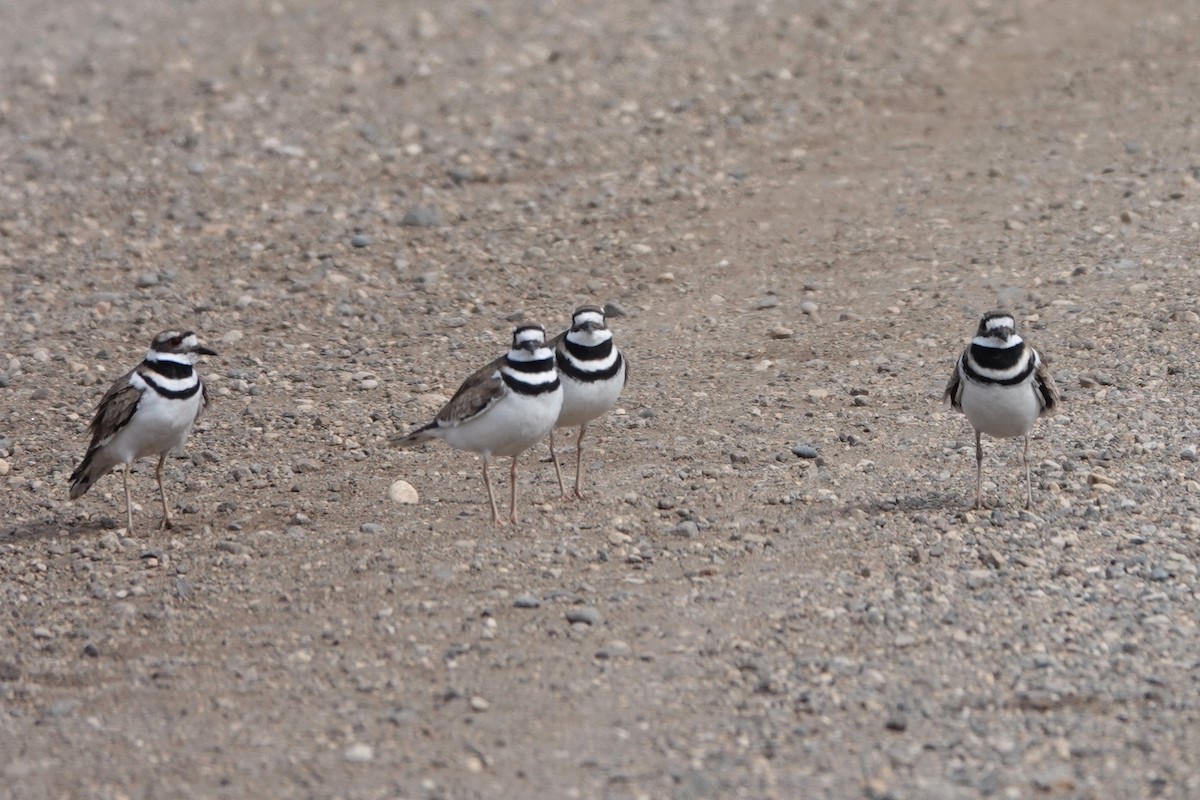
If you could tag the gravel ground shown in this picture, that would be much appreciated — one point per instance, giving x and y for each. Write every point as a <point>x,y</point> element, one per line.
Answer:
<point>775,590</point>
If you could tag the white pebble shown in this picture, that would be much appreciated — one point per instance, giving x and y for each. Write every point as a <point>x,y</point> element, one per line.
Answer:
<point>359,753</point>
<point>402,492</point>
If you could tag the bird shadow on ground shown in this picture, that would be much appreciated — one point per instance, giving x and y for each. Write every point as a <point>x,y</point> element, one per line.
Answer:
<point>52,527</point>
<point>949,502</point>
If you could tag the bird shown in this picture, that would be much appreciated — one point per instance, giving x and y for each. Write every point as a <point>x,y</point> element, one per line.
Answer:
<point>1001,383</point>
<point>593,373</point>
<point>502,409</point>
<point>148,411</point>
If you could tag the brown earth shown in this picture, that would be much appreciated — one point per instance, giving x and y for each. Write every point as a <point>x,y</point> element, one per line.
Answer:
<point>803,208</point>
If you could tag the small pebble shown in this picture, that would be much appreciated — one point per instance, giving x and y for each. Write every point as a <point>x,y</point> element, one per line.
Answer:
<point>403,493</point>
<point>479,704</point>
<point>147,279</point>
<point>614,649</point>
<point>588,615</point>
<point>1187,454</point>
<point>805,451</point>
<point>781,332</point>
<point>359,753</point>
<point>614,309</point>
<point>420,217</point>
<point>360,240</point>
<point>687,529</point>
<point>526,601</point>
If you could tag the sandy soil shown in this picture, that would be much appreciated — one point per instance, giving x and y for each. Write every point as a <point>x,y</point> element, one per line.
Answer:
<point>802,209</point>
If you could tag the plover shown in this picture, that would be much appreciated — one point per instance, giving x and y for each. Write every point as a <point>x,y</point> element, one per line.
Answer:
<point>148,411</point>
<point>502,410</point>
<point>593,373</point>
<point>1003,387</point>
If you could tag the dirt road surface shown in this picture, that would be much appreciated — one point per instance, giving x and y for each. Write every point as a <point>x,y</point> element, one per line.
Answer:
<point>801,209</point>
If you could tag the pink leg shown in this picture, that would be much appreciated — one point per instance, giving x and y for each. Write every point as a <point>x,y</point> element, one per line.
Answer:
<point>579,463</point>
<point>513,475</point>
<point>562,490</point>
<point>162,493</point>
<point>487,481</point>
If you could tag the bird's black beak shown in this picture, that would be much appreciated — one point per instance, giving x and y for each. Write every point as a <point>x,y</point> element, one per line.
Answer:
<point>204,351</point>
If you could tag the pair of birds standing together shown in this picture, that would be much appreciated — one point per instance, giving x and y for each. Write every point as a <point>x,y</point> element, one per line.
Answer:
<point>502,410</point>
<point>999,382</point>
<point>520,398</point>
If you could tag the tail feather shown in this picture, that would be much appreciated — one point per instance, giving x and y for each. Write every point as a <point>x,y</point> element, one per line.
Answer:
<point>88,472</point>
<point>419,436</point>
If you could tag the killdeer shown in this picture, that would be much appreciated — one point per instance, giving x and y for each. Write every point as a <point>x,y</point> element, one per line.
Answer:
<point>593,373</point>
<point>1003,387</point>
<point>148,411</point>
<point>502,410</point>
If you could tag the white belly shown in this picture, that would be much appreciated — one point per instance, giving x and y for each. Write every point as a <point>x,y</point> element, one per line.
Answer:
<point>511,426</point>
<point>1001,411</point>
<point>584,402</point>
<point>158,425</point>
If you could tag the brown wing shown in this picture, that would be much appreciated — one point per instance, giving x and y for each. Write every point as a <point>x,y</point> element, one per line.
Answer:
<point>203,400</point>
<point>475,396</point>
<point>1047,391</point>
<point>115,410</point>
<point>953,391</point>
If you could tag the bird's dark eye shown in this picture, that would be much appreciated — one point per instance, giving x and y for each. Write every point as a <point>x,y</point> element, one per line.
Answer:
<point>176,340</point>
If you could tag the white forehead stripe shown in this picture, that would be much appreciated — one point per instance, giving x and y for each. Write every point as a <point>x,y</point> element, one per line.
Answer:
<point>1000,322</point>
<point>530,335</point>
<point>589,316</point>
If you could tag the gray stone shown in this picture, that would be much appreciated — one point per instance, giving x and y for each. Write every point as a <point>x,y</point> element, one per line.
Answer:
<point>614,649</point>
<point>614,309</point>
<point>420,217</point>
<point>686,529</point>
<point>588,615</point>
